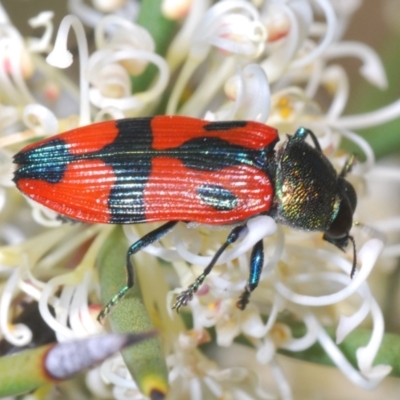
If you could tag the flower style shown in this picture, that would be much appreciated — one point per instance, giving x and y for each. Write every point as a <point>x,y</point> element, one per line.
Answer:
<point>266,61</point>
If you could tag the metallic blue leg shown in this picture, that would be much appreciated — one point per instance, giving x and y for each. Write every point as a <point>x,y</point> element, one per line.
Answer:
<point>256,265</point>
<point>146,240</point>
<point>150,238</point>
<point>184,297</point>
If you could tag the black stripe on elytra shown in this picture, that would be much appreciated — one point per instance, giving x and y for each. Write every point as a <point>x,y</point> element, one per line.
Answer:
<point>213,154</point>
<point>224,125</point>
<point>130,157</point>
<point>46,162</point>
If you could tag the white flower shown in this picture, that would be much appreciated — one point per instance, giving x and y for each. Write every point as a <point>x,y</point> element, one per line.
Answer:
<point>266,61</point>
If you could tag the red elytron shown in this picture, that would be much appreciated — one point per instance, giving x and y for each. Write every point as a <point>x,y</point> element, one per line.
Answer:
<point>152,169</point>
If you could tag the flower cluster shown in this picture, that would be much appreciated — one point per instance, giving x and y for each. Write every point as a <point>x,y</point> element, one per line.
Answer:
<point>267,61</point>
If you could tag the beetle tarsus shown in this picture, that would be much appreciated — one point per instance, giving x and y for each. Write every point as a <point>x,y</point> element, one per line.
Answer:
<point>113,302</point>
<point>244,299</point>
<point>184,297</point>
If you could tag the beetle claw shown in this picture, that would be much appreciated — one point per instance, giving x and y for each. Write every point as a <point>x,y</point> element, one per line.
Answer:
<point>183,298</point>
<point>243,300</point>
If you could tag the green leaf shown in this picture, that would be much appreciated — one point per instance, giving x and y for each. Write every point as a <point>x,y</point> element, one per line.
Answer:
<point>145,360</point>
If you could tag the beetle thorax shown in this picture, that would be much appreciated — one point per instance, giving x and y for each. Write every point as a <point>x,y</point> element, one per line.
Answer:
<point>306,187</point>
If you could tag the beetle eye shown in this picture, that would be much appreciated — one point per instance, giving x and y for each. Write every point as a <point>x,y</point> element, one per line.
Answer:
<point>341,225</point>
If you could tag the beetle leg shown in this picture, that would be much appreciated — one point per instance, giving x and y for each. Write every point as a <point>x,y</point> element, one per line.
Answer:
<point>184,297</point>
<point>302,133</point>
<point>256,265</point>
<point>146,240</point>
<point>347,167</point>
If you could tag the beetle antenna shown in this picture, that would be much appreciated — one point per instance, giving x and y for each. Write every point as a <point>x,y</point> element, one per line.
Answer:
<point>353,268</point>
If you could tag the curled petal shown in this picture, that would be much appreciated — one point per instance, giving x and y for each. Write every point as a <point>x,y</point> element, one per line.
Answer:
<point>341,362</point>
<point>62,58</point>
<point>40,119</point>
<point>231,26</point>
<point>252,324</point>
<point>251,92</point>
<point>44,19</point>
<point>19,334</point>
<point>299,16</point>
<point>372,68</point>
<point>227,329</point>
<point>108,6</point>
<point>108,113</point>
<point>331,27</point>
<point>124,35</point>
<point>180,45</point>
<point>366,120</point>
<point>335,80</point>
<point>308,339</point>
<point>367,256</point>
<point>366,355</point>
<point>266,352</point>
<point>91,16</point>
<point>130,102</point>
<point>348,324</point>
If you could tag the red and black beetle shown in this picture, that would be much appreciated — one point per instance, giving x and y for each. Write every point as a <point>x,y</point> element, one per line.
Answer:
<point>172,168</point>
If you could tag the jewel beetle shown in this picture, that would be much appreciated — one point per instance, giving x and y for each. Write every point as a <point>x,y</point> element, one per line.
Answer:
<point>175,168</point>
